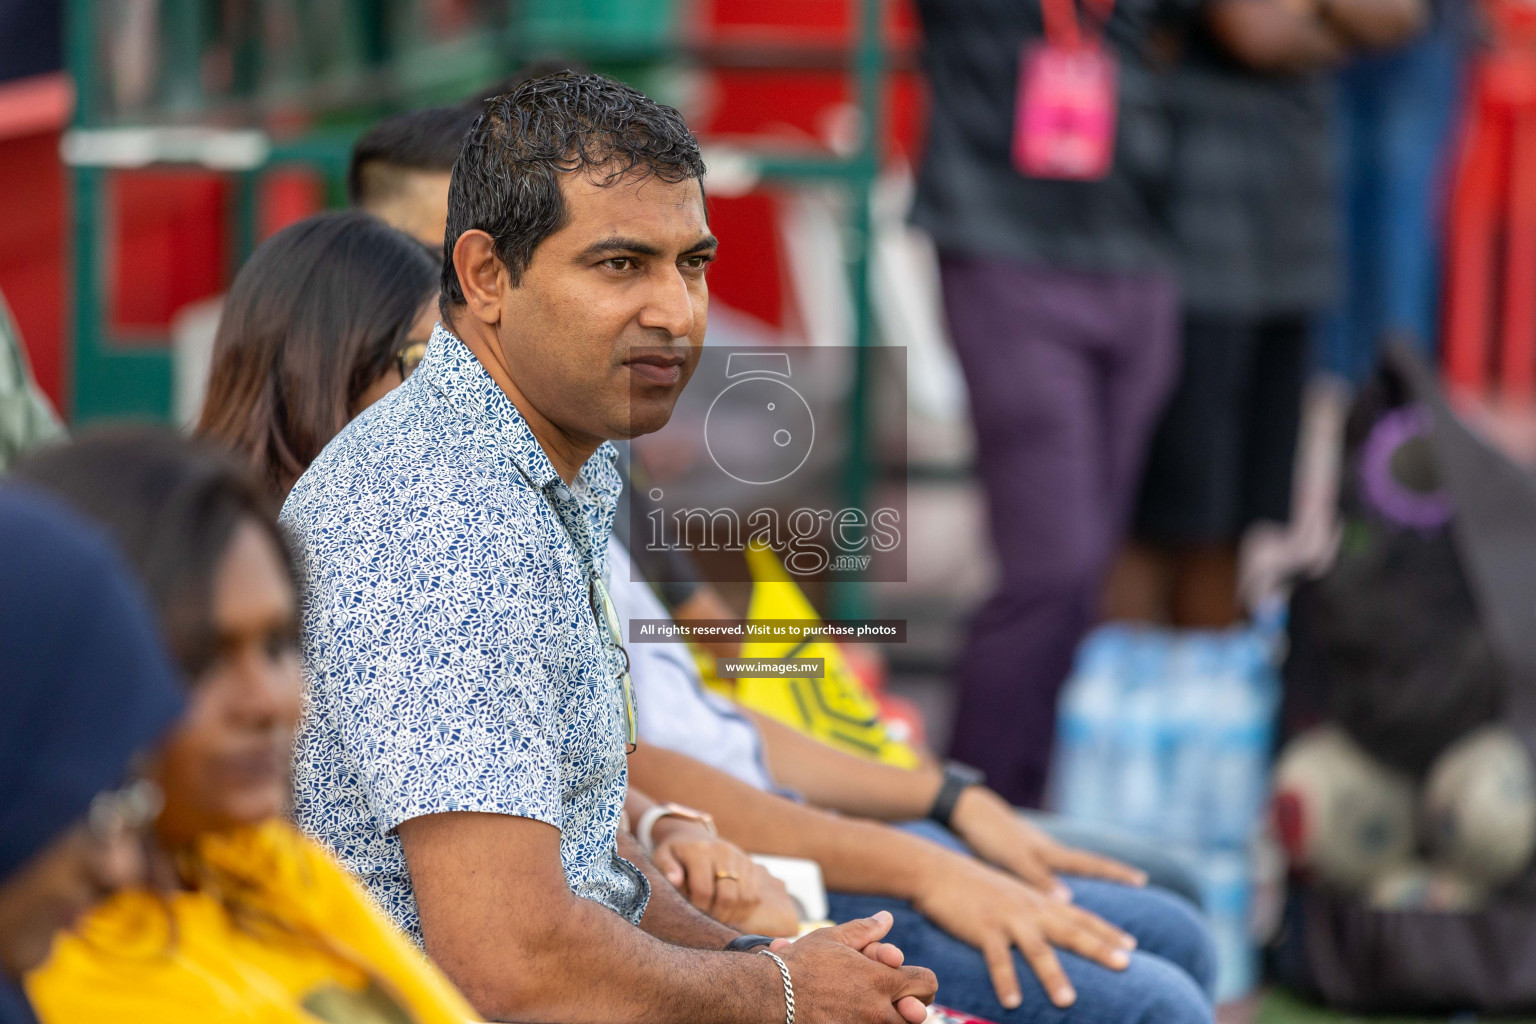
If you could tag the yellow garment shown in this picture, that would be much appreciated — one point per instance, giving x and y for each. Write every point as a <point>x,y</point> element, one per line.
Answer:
<point>303,945</point>
<point>836,708</point>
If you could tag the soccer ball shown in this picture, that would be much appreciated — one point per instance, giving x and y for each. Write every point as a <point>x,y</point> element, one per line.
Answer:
<point>1339,812</point>
<point>1480,806</point>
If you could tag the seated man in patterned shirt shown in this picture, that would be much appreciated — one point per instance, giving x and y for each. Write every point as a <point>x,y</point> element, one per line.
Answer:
<point>463,748</point>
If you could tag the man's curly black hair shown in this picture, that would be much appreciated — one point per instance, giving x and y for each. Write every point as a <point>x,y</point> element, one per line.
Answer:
<point>507,178</point>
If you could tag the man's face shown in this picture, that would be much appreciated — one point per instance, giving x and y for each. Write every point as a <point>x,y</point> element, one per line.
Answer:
<point>603,331</point>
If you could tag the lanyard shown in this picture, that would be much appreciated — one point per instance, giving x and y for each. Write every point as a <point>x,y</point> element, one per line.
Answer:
<point>1061,21</point>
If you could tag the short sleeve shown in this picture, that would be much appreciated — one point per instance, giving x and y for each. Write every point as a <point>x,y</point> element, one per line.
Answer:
<point>436,675</point>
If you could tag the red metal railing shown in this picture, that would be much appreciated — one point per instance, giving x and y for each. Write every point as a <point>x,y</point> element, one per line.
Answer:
<point>1490,326</point>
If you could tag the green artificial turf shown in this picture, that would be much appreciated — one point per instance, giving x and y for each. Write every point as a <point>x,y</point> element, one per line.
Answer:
<point>1280,1007</point>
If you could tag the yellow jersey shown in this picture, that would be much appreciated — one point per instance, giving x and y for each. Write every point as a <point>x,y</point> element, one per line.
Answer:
<point>836,708</point>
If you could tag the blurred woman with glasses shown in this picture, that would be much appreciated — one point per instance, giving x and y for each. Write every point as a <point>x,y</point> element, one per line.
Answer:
<point>85,686</point>
<point>327,316</point>
<point>241,918</point>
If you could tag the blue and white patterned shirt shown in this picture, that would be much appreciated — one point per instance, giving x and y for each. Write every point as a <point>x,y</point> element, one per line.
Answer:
<point>451,652</point>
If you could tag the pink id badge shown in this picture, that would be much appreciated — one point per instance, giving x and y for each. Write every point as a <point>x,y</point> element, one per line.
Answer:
<point>1064,116</point>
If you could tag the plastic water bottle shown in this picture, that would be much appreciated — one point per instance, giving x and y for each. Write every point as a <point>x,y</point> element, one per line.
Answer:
<point>1261,656</point>
<point>1191,671</point>
<point>1241,716</point>
<point>1226,890</point>
<point>1142,734</point>
<point>1085,762</point>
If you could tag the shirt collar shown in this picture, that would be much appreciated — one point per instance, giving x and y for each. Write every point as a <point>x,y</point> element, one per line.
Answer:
<point>451,368</point>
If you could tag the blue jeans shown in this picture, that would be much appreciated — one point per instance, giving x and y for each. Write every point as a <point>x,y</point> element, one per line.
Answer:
<point>1396,115</point>
<point>1164,869</point>
<point>1168,982</point>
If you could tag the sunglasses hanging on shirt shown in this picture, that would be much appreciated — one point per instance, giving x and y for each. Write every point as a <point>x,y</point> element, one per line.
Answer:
<point>609,627</point>
<point>608,624</point>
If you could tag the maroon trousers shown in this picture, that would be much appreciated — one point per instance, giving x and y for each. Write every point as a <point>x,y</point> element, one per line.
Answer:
<point>1067,375</point>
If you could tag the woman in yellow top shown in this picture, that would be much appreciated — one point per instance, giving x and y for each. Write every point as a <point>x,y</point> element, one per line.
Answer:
<point>244,918</point>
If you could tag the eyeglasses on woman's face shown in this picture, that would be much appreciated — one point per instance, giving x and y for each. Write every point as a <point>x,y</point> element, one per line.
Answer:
<point>409,357</point>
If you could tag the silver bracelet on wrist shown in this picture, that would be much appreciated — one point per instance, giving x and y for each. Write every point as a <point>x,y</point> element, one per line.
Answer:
<point>789,987</point>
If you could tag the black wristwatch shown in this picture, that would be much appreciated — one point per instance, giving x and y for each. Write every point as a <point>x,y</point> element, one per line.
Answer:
<point>957,779</point>
<point>747,943</point>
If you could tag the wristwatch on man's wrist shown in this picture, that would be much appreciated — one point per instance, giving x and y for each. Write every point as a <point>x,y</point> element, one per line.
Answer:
<point>747,943</point>
<point>957,779</point>
<point>647,823</point>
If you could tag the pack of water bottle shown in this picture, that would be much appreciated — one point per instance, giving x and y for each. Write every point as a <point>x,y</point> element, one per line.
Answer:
<point>1168,735</point>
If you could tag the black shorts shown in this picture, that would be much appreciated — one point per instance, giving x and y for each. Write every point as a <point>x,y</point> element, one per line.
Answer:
<point>1224,453</point>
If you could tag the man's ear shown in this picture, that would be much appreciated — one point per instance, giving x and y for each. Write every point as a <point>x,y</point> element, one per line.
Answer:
<point>482,277</point>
